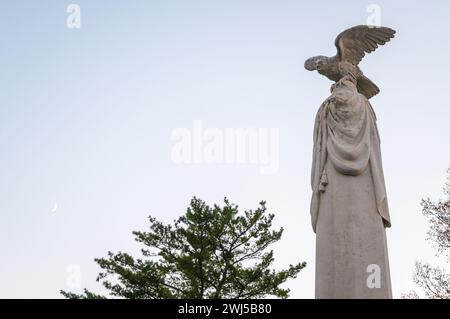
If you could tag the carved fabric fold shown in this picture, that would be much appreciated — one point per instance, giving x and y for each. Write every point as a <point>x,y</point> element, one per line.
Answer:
<point>346,134</point>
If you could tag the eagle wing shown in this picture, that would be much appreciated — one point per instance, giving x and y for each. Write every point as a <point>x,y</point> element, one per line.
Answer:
<point>354,43</point>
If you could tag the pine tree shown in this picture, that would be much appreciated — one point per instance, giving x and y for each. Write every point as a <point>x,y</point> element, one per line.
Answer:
<point>210,252</point>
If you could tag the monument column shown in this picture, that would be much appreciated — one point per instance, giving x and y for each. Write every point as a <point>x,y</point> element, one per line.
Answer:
<point>349,208</point>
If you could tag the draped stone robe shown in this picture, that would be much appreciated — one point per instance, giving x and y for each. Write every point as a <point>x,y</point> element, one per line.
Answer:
<point>349,209</point>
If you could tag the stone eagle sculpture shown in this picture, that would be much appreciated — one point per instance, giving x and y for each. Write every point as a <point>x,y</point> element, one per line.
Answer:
<point>352,45</point>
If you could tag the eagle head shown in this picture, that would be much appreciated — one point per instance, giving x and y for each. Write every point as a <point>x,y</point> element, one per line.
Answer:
<point>316,62</point>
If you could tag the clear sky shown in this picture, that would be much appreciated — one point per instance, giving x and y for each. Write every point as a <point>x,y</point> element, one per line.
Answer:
<point>87,115</point>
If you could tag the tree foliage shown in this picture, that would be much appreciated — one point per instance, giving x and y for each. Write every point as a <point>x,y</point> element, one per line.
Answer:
<point>438,215</point>
<point>435,281</point>
<point>210,252</point>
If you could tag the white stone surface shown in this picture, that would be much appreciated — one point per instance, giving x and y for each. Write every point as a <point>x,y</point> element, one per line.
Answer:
<point>349,210</point>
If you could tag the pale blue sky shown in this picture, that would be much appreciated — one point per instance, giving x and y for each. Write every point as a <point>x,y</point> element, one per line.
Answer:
<point>86,117</point>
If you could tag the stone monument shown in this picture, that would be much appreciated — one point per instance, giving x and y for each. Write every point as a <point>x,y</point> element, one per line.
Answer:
<point>349,208</point>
